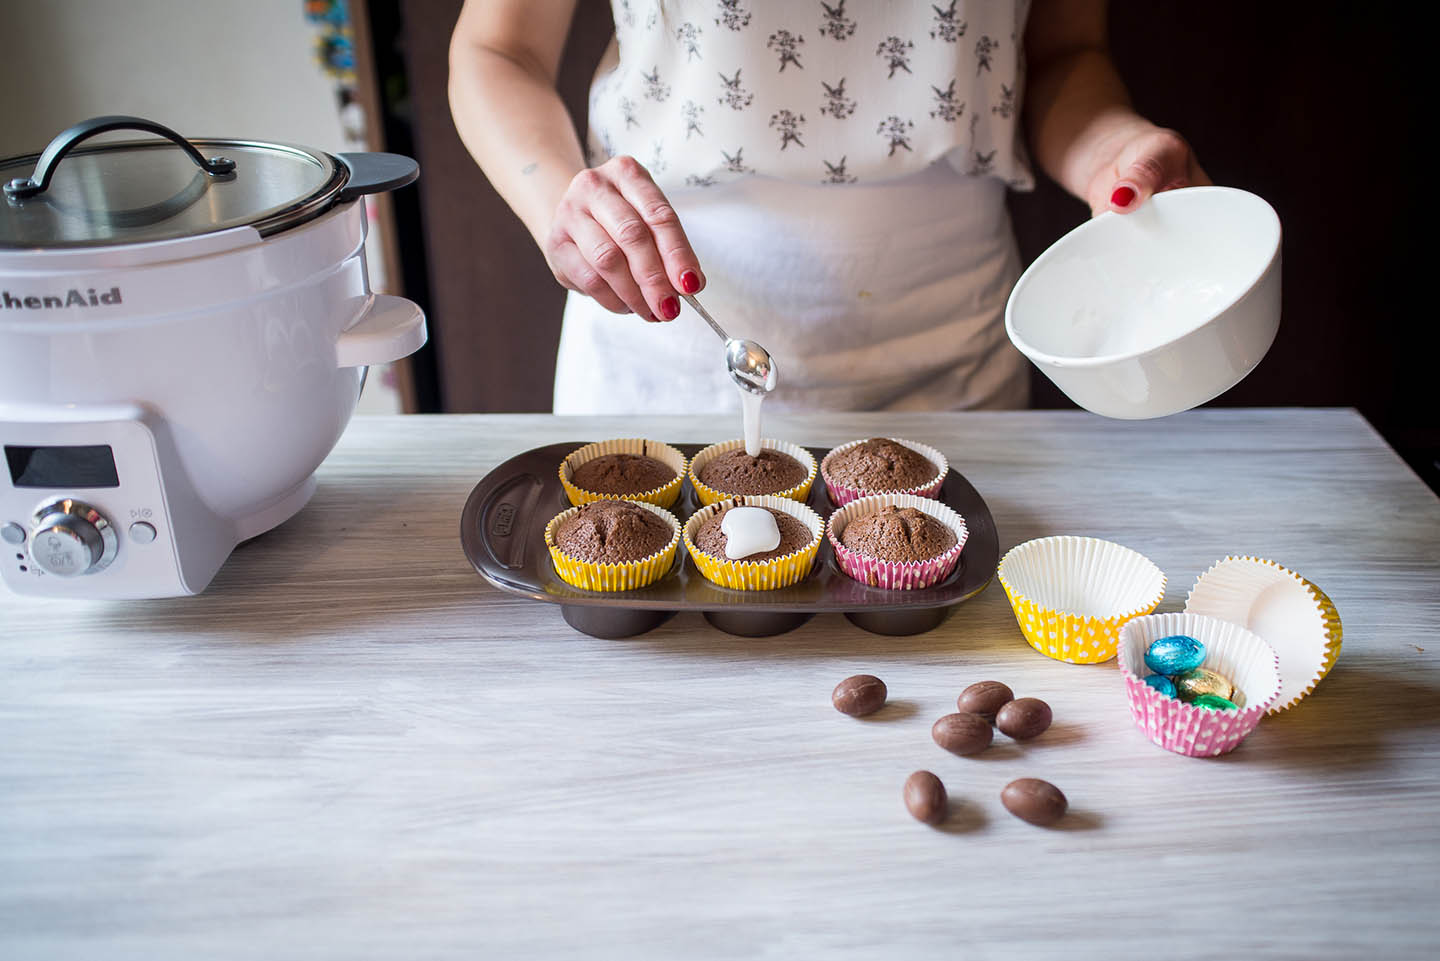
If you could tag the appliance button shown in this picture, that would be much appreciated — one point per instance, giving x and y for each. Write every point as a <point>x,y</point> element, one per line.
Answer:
<point>142,533</point>
<point>71,538</point>
<point>12,534</point>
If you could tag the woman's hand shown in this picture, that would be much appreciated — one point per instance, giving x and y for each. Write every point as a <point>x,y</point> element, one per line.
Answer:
<point>1138,160</point>
<point>616,238</point>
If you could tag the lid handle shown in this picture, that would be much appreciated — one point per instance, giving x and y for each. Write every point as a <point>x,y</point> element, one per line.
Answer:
<point>66,140</point>
<point>373,173</point>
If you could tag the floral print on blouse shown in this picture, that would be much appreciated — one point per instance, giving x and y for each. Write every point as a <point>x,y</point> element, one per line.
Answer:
<point>704,92</point>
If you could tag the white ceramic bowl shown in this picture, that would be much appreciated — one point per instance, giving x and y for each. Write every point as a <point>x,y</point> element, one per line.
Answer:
<point>1147,314</point>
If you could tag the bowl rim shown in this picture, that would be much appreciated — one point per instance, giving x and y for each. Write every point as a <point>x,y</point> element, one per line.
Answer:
<point>1164,198</point>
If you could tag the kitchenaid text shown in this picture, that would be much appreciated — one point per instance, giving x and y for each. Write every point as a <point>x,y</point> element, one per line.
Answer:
<point>72,298</point>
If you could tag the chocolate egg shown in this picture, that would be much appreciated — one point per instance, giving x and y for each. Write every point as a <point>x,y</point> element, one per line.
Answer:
<point>1215,703</point>
<point>925,797</point>
<point>962,733</point>
<point>984,698</point>
<point>1162,684</point>
<point>1200,681</point>
<point>859,695</point>
<point>1031,799</point>
<point>1024,718</point>
<point>1175,654</point>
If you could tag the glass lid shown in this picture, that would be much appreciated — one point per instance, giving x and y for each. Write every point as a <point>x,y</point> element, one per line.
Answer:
<point>153,190</point>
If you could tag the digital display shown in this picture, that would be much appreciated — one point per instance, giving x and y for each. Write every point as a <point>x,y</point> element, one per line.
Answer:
<point>92,466</point>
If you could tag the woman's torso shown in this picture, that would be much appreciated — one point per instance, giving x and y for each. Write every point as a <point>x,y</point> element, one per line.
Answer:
<point>872,258</point>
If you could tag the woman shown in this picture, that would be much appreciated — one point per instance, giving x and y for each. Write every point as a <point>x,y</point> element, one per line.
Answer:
<point>831,175</point>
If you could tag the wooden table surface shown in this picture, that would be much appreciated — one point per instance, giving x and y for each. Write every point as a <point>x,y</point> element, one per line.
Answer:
<point>350,746</point>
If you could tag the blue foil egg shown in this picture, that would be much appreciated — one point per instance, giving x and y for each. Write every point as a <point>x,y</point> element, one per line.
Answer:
<point>1175,654</point>
<point>1162,684</point>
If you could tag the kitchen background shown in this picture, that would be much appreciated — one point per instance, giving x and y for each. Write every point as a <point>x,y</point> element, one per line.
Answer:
<point>1314,106</point>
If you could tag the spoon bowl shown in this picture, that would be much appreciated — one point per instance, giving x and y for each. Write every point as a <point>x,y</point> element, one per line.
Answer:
<point>750,365</point>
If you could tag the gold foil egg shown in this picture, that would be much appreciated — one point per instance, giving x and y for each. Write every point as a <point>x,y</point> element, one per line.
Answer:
<point>1201,680</point>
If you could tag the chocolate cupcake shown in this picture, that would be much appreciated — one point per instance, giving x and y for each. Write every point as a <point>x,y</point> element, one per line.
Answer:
<point>882,465</point>
<point>798,528</point>
<point>901,534</point>
<point>612,545</point>
<point>897,541</point>
<point>725,470</point>
<point>791,531</point>
<point>626,469</point>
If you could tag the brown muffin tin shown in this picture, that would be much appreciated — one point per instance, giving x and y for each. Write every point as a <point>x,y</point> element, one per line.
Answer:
<point>502,530</point>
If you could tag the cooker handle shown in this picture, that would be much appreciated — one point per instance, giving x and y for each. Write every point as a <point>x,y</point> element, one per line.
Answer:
<point>66,140</point>
<point>389,328</point>
<point>374,173</point>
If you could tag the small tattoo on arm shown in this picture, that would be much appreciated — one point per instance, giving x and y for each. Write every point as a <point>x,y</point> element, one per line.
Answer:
<point>529,168</point>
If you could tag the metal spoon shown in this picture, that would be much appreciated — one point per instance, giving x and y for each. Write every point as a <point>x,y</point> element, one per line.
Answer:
<point>751,365</point>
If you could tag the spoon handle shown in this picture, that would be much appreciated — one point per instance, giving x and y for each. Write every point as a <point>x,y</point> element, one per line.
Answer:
<point>689,299</point>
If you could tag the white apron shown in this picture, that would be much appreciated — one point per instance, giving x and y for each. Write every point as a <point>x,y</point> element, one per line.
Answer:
<point>883,296</point>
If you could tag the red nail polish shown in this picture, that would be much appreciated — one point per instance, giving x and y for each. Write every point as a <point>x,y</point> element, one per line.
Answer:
<point>670,307</point>
<point>1122,196</point>
<point>690,281</point>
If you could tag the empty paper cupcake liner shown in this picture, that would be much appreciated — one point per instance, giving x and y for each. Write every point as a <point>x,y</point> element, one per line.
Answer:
<point>1291,614</point>
<point>1240,655</point>
<point>743,575</point>
<point>896,575</point>
<point>592,576</point>
<point>709,495</point>
<point>842,494</point>
<point>663,496</point>
<point>1071,595</point>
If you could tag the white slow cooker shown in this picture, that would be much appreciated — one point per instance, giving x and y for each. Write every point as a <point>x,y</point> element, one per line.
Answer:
<point>184,338</point>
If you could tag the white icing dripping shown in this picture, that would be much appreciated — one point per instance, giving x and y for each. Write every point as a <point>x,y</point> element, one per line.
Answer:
<point>750,408</point>
<point>749,530</point>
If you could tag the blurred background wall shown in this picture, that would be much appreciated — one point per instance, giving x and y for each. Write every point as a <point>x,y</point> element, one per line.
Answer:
<point>203,67</point>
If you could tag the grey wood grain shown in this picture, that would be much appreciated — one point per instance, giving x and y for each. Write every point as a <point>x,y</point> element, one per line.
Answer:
<point>351,747</point>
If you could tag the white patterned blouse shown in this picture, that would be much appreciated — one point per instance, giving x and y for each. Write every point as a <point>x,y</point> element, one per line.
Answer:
<point>705,92</point>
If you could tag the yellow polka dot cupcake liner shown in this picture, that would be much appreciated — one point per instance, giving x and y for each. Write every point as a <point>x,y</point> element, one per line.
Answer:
<point>1071,595</point>
<point>590,576</point>
<point>1294,617</point>
<point>663,496</point>
<point>757,575</point>
<point>708,495</point>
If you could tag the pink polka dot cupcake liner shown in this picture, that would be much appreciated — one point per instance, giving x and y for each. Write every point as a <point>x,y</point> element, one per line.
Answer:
<point>841,494</point>
<point>1239,654</point>
<point>896,575</point>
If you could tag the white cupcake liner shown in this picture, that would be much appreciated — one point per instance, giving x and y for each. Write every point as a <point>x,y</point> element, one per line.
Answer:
<point>1241,655</point>
<point>709,495</point>
<point>896,575</point>
<point>1291,614</point>
<point>663,496</point>
<point>842,494</point>
<point>746,575</point>
<point>1071,595</point>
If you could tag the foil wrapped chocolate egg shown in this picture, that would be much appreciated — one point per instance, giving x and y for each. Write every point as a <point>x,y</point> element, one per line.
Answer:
<point>1215,703</point>
<point>1201,681</point>
<point>1175,654</point>
<point>1162,684</point>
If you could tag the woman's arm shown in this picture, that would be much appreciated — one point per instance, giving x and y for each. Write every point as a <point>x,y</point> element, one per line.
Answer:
<point>607,232</point>
<point>1083,131</point>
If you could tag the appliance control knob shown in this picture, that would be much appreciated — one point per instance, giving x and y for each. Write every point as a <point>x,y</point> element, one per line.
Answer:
<point>71,538</point>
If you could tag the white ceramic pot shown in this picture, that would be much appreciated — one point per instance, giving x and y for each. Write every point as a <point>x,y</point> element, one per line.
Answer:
<point>183,390</point>
<point>1147,314</point>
